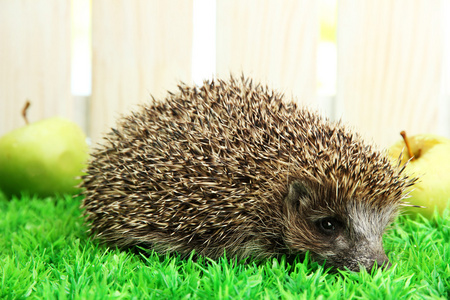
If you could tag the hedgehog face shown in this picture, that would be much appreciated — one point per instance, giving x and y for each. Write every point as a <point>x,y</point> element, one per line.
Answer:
<point>348,235</point>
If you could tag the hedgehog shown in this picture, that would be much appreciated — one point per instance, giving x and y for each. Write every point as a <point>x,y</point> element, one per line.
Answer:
<point>232,167</point>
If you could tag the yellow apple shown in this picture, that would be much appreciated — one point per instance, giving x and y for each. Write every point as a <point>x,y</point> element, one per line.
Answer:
<point>431,163</point>
<point>42,158</point>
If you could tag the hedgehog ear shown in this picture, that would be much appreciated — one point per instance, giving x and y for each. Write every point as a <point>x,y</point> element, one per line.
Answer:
<point>297,194</point>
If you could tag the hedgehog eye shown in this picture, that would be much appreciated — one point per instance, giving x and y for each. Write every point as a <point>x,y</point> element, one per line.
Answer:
<point>328,226</point>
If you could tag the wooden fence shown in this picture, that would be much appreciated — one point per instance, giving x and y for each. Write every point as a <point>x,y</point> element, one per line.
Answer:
<point>392,58</point>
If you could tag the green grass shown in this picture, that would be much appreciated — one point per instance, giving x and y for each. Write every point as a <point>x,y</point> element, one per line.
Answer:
<point>45,253</point>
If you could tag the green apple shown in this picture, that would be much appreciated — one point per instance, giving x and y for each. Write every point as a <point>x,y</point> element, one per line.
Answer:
<point>431,163</point>
<point>43,158</point>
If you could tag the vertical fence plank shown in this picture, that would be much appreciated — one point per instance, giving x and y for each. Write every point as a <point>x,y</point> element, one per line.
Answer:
<point>390,66</point>
<point>34,60</point>
<point>444,104</point>
<point>273,41</point>
<point>140,48</point>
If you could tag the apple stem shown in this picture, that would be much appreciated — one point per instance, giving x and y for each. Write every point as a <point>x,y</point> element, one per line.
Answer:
<point>24,111</point>
<point>411,155</point>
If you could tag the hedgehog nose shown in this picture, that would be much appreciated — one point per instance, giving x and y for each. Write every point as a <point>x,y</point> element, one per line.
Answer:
<point>381,262</point>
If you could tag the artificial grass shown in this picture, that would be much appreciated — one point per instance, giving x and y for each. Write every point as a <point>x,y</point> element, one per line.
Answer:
<point>45,253</point>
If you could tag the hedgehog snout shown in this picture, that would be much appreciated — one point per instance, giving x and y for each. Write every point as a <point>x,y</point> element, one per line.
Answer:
<point>381,261</point>
<point>357,255</point>
<point>370,256</point>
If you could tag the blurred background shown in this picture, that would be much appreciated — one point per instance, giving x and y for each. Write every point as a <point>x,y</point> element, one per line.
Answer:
<point>381,66</point>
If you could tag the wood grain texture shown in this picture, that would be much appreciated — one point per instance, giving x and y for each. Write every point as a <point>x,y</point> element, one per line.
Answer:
<point>274,42</point>
<point>140,48</point>
<point>444,104</point>
<point>34,60</point>
<point>390,56</point>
